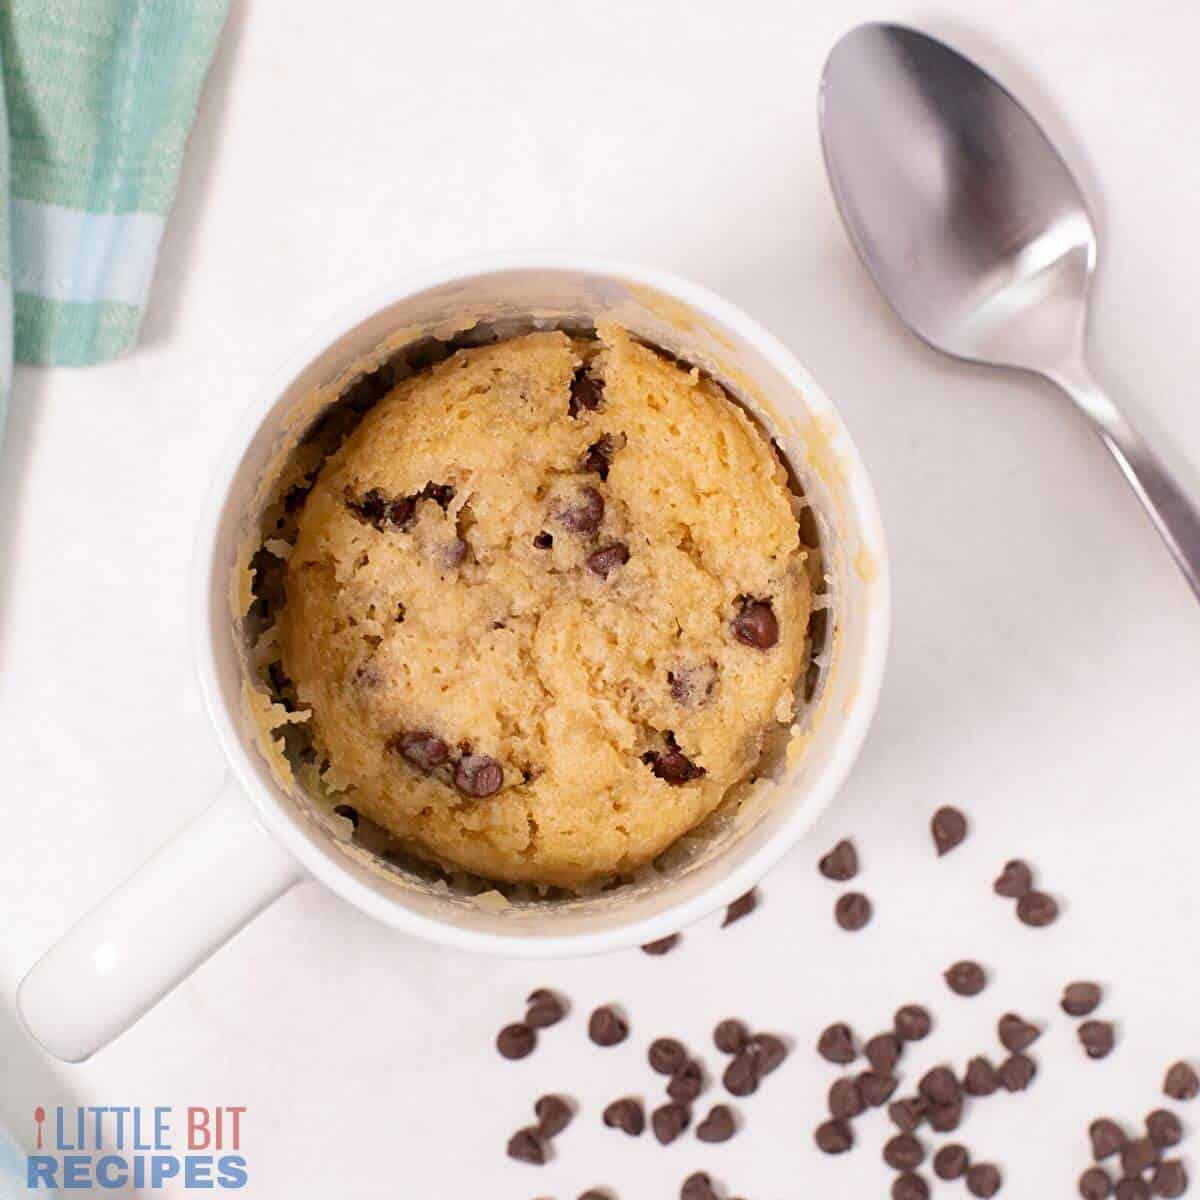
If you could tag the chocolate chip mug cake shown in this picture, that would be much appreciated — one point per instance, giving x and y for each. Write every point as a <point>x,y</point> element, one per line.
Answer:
<point>543,606</point>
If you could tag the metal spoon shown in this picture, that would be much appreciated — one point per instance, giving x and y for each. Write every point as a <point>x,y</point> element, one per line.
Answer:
<point>976,232</point>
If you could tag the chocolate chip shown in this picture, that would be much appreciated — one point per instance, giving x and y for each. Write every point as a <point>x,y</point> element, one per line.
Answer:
<point>768,1050</point>
<point>662,946</point>
<point>755,624</point>
<point>948,827</point>
<point>939,1086</point>
<point>731,1036</point>
<point>1133,1189</point>
<point>1170,1180</point>
<point>1094,1184</point>
<point>554,1115</point>
<point>1037,909</point>
<point>841,863</point>
<point>945,1118</point>
<point>666,1056</point>
<point>606,1027</point>
<point>686,1083</point>
<point>834,1137</point>
<point>1182,1082</point>
<point>1015,1033</point>
<point>370,508</point>
<point>697,1187</point>
<point>966,978</point>
<point>983,1180</point>
<point>909,1187</point>
<point>912,1023</point>
<point>951,1161</point>
<point>1138,1156</point>
<point>1016,1072</point>
<point>526,1146</point>
<point>348,812</point>
<point>516,1041</point>
<point>1164,1128</point>
<point>845,1101</point>
<point>876,1089</point>
<point>606,560</point>
<point>883,1052</point>
<point>543,540</point>
<point>1107,1138</point>
<point>669,1121</point>
<point>1080,999</point>
<point>903,1152</point>
<point>598,458</point>
<point>852,911</point>
<point>402,510</point>
<point>672,765</point>
<point>544,1009</point>
<point>585,514</point>
<point>478,776</point>
<point>741,1076</point>
<point>1097,1038</point>
<point>980,1078</point>
<point>586,392</point>
<point>718,1126</point>
<point>1015,880</point>
<point>908,1114</point>
<point>626,1115</point>
<point>836,1044</point>
<point>743,906</point>
<point>422,749</point>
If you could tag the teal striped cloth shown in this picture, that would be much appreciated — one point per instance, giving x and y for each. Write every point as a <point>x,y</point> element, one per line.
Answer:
<point>98,99</point>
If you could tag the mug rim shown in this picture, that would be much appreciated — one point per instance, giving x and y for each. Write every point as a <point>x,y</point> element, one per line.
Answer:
<point>268,803</point>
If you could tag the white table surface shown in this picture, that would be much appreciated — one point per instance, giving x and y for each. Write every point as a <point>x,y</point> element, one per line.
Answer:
<point>1045,660</point>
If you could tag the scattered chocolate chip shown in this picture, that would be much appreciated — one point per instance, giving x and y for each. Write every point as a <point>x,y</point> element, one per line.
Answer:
<point>903,1152</point>
<point>554,1115</point>
<point>606,1027</point>
<point>983,1180</point>
<point>585,514</point>
<point>883,1052</point>
<point>951,1161</point>
<point>668,1121</point>
<point>731,1036</point>
<point>908,1114</point>
<point>743,906</point>
<point>525,1146</point>
<point>1107,1138</point>
<point>965,978</point>
<point>1015,880</point>
<point>626,1115</point>
<point>544,1009</point>
<point>845,1101</point>
<point>1094,1184</point>
<point>586,392</point>
<point>686,1083</point>
<point>697,1187</point>
<point>598,458</point>
<point>1170,1180</point>
<point>1016,1072</point>
<point>755,624</point>
<point>662,946</point>
<point>1037,909</point>
<point>718,1126</point>
<point>945,1118</point>
<point>1015,1033</point>
<point>423,749</point>
<point>909,1186</point>
<point>1080,999</point>
<point>948,827</point>
<point>543,540</point>
<point>1097,1038</point>
<point>852,911</point>
<point>834,1137</point>
<point>370,508</point>
<point>912,1023</point>
<point>1133,1189</point>
<point>516,1041</point>
<point>347,811</point>
<point>836,1044</point>
<point>980,1078</point>
<point>672,765</point>
<point>440,493</point>
<point>1182,1082</point>
<point>604,561</point>
<point>478,776</point>
<point>876,1090</point>
<point>1138,1155</point>
<point>768,1050</point>
<point>1164,1128</point>
<point>666,1056</point>
<point>939,1086</point>
<point>841,863</point>
<point>741,1076</point>
<point>402,511</point>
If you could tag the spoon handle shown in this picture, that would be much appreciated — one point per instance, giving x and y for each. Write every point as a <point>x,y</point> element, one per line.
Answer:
<point>1175,514</point>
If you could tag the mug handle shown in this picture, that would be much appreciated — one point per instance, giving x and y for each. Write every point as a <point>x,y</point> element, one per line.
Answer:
<point>156,928</point>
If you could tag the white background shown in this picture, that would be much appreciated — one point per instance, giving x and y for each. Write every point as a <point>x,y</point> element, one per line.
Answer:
<point>1044,669</point>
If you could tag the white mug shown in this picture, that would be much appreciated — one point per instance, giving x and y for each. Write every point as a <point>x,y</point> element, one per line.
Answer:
<point>257,840</point>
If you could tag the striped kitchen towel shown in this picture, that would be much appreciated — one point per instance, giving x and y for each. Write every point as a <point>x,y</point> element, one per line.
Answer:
<point>99,96</point>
